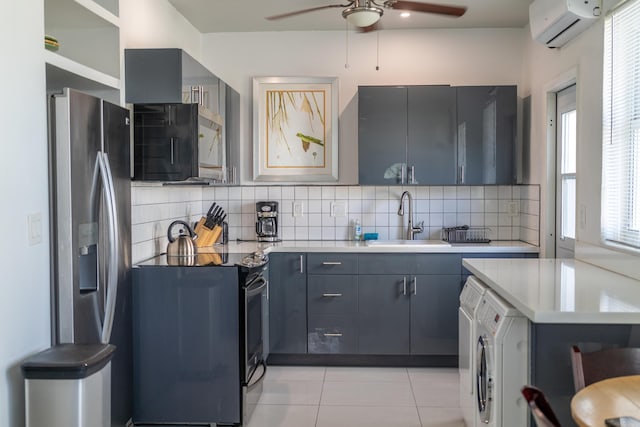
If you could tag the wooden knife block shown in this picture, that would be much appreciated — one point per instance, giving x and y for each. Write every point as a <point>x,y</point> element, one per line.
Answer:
<point>206,236</point>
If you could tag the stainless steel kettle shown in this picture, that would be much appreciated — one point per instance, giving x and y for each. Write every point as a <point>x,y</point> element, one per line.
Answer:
<point>184,245</point>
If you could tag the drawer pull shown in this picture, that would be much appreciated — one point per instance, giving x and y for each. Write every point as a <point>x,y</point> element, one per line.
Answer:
<point>331,295</point>
<point>331,263</point>
<point>332,335</point>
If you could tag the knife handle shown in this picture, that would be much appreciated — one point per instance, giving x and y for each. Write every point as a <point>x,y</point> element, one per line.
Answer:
<point>215,234</point>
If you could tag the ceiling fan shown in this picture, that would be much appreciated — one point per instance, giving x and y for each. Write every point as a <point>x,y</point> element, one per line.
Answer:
<point>366,13</point>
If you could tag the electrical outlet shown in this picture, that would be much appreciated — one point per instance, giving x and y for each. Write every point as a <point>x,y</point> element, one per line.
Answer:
<point>298,208</point>
<point>338,209</point>
<point>513,208</point>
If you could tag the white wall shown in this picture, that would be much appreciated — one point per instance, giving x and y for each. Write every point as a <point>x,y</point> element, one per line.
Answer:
<point>456,57</point>
<point>156,24</point>
<point>25,325</point>
<point>545,69</point>
<point>24,287</point>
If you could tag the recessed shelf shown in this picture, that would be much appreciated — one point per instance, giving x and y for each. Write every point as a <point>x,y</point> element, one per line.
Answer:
<point>89,55</point>
<point>63,72</point>
<point>78,14</point>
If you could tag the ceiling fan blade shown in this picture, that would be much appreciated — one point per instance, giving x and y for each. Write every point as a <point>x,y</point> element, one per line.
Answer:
<point>300,12</point>
<point>413,6</point>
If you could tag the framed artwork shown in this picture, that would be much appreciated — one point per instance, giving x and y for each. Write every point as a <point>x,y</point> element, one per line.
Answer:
<point>295,128</point>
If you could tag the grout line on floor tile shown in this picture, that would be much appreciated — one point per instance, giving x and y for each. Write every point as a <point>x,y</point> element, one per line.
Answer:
<point>324,377</point>
<point>413,393</point>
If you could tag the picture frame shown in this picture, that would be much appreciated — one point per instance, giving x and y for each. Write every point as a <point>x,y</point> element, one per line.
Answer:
<point>295,129</point>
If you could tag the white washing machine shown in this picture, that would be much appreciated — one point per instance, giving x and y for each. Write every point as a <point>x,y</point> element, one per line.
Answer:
<point>502,355</point>
<point>470,298</point>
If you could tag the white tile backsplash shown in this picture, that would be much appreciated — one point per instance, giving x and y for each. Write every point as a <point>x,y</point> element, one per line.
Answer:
<point>155,206</point>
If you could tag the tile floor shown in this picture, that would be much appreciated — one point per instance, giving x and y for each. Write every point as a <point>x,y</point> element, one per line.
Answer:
<point>300,396</point>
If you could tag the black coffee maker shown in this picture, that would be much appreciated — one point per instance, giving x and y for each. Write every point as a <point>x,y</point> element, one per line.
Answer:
<point>267,224</point>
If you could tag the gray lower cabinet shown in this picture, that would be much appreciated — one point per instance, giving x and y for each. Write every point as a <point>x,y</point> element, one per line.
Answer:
<point>186,360</point>
<point>287,303</point>
<point>409,306</point>
<point>434,314</point>
<point>383,314</point>
<point>332,293</point>
<point>367,304</point>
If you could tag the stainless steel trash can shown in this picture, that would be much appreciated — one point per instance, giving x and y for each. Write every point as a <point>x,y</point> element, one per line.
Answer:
<point>69,385</point>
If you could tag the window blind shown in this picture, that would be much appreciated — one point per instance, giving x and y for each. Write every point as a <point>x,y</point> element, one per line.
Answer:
<point>621,127</point>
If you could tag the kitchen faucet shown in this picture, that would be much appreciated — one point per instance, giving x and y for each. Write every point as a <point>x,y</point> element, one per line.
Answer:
<point>411,230</point>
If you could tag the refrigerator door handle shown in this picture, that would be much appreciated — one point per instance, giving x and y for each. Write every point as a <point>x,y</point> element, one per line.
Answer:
<point>112,270</point>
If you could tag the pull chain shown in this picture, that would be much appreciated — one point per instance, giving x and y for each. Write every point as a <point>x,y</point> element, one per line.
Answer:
<point>377,50</point>
<point>346,34</point>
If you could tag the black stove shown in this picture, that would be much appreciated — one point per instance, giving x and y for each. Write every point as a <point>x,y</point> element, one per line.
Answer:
<point>212,258</point>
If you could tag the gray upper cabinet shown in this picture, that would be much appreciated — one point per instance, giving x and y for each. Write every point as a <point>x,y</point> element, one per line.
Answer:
<point>382,134</point>
<point>406,135</point>
<point>170,76</point>
<point>155,76</point>
<point>431,145</point>
<point>487,127</point>
<point>232,123</point>
<point>436,135</point>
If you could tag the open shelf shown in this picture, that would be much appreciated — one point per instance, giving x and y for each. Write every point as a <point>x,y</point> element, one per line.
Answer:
<point>89,36</point>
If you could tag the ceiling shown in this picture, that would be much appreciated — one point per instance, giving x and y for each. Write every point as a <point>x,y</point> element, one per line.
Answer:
<point>210,16</point>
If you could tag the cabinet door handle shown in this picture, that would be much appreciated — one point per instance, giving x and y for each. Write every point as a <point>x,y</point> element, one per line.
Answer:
<point>332,335</point>
<point>170,116</point>
<point>404,286</point>
<point>301,264</point>
<point>403,172</point>
<point>415,285</point>
<point>172,148</point>
<point>331,263</point>
<point>461,174</point>
<point>413,175</point>
<point>331,295</point>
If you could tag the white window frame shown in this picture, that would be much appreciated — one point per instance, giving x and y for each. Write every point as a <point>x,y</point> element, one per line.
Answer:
<point>621,129</point>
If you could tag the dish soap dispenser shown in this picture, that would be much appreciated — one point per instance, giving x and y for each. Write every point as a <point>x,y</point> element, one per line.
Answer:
<point>357,231</point>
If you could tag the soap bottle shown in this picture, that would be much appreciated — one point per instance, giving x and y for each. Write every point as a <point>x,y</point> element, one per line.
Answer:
<point>357,231</point>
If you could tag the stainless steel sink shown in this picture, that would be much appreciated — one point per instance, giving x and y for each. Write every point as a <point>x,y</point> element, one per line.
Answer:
<point>407,243</point>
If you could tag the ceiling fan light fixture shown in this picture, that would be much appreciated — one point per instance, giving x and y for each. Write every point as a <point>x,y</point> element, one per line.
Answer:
<point>362,16</point>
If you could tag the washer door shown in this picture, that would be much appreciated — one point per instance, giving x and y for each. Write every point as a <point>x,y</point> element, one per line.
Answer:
<point>483,379</point>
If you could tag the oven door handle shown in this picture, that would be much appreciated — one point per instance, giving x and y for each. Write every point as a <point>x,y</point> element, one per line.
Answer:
<point>252,385</point>
<point>253,290</point>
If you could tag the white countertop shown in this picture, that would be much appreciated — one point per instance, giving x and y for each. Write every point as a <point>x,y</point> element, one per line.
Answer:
<point>362,247</point>
<point>561,290</point>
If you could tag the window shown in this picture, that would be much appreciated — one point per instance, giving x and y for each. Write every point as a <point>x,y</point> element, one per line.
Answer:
<point>621,127</point>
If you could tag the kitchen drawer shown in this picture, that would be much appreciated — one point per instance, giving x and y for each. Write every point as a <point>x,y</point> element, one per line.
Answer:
<point>332,334</point>
<point>436,264</point>
<point>327,263</point>
<point>336,294</point>
<point>384,263</point>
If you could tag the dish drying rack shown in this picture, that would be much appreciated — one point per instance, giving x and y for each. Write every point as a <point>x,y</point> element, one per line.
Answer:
<point>466,234</point>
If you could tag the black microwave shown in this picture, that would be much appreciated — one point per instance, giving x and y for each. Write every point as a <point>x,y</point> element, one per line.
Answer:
<point>178,142</point>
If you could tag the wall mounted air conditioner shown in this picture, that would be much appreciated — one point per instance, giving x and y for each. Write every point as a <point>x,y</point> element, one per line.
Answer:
<point>555,22</point>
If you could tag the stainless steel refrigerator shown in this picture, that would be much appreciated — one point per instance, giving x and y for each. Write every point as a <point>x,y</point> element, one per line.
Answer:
<point>91,227</point>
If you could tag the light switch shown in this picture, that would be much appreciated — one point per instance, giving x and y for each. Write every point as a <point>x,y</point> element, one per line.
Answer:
<point>34,228</point>
<point>583,217</point>
<point>298,208</point>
